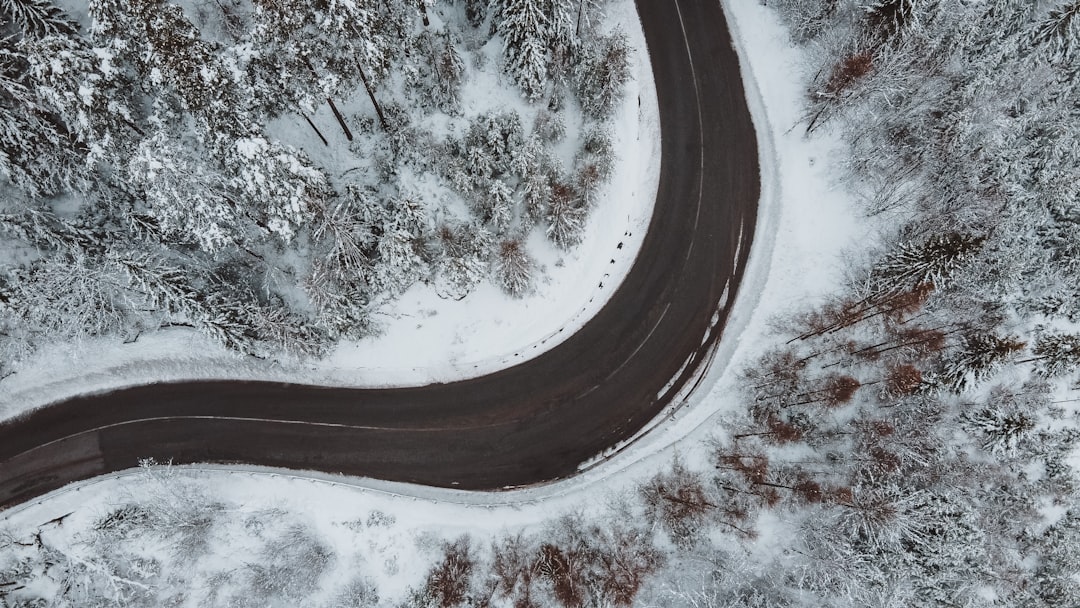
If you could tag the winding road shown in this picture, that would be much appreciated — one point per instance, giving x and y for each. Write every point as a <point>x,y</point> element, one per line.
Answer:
<point>535,422</point>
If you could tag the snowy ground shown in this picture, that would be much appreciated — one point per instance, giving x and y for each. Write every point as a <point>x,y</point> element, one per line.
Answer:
<point>425,338</point>
<point>806,227</point>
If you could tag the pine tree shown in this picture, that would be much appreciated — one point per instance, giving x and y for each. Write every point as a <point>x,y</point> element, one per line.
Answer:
<point>932,261</point>
<point>463,263</point>
<point>978,358</point>
<point>275,185</point>
<point>499,206</point>
<point>288,70</point>
<point>187,198</point>
<point>1057,354</point>
<point>68,296</point>
<point>1061,30</point>
<point>399,263</point>
<point>88,92</point>
<point>593,164</point>
<point>436,76</point>
<point>310,54</point>
<point>601,75</point>
<point>476,12</point>
<point>523,25</point>
<point>37,18</point>
<point>565,217</point>
<point>339,283</point>
<point>1002,427</point>
<point>513,267</point>
<point>170,54</point>
<point>161,286</point>
<point>37,152</point>
<point>891,16</point>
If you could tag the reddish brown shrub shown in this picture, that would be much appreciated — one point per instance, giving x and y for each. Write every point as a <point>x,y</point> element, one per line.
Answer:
<point>903,379</point>
<point>840,389</point>
<point>849,71</point>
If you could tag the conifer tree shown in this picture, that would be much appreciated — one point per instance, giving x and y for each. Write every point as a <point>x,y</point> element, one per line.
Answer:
<point>523,25</point>
<point>513,267</point>
<point>186,197</point>
<point>1057,354</point>
<point>170,54</point>
<point>37,152</point>
<point>977,359</point>
<point>276,185</point>
<point>565,217</point>
<point>89,93</point>
<point>1060,30</point>
<point>37,18</point>
<point>602,74</point>
<point>932,261</point>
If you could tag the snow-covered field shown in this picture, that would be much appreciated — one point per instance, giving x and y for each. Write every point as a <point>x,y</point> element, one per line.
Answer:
<point>806,225</point>
<point>425,338</point>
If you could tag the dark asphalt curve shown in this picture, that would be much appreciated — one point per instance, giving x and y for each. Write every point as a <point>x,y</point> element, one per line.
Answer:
<point>531,423</point>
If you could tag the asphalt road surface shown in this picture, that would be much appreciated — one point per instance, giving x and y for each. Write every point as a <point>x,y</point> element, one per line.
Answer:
<point>531,423</point>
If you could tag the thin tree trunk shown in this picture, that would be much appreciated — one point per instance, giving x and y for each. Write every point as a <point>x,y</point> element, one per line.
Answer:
<point>371,95</point>
<point>316,129</point>
<point>423,12</point>
<point>337,115</point>
<point>580,15</point>
<point>340,119</point>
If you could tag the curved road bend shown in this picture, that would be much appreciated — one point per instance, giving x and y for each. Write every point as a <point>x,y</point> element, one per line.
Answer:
<point>531,423</point>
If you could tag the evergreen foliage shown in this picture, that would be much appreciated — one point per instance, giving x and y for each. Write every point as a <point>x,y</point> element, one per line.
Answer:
<point>931,262</point>
<point>524,26</point>
<point>979,356</point>
<point>1057,354</point>
<point>602,74</point>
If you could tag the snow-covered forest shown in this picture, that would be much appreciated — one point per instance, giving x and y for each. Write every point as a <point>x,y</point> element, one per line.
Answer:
<point>151,176</point>
<point>910,441</point>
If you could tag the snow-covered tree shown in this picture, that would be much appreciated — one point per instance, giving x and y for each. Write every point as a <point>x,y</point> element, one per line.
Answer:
<point>1057,354</point>
<point>37,151</point>
<point>399,263</point>
<point>492,143</point>
<point>158,285</point>
<point>593,164</point>
<point>1009,417</point>
<point>565,216</point>
<point>498,206</point>
<point>602,74</point>
<point>513,267</point>
<point>463,262</point>
<point>91,94</point>
<point>438,76</point>
<point>979,356</point>
<point>1060,30</point>
<point>523,25</point>
<point>931,261</point>
<point>188,199</point>
<point>69,296</point>
<point>304,55</point>
<point>171,55</point>
<point>37,18</point>
<point>275,185</point>
<point>476,11</point>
